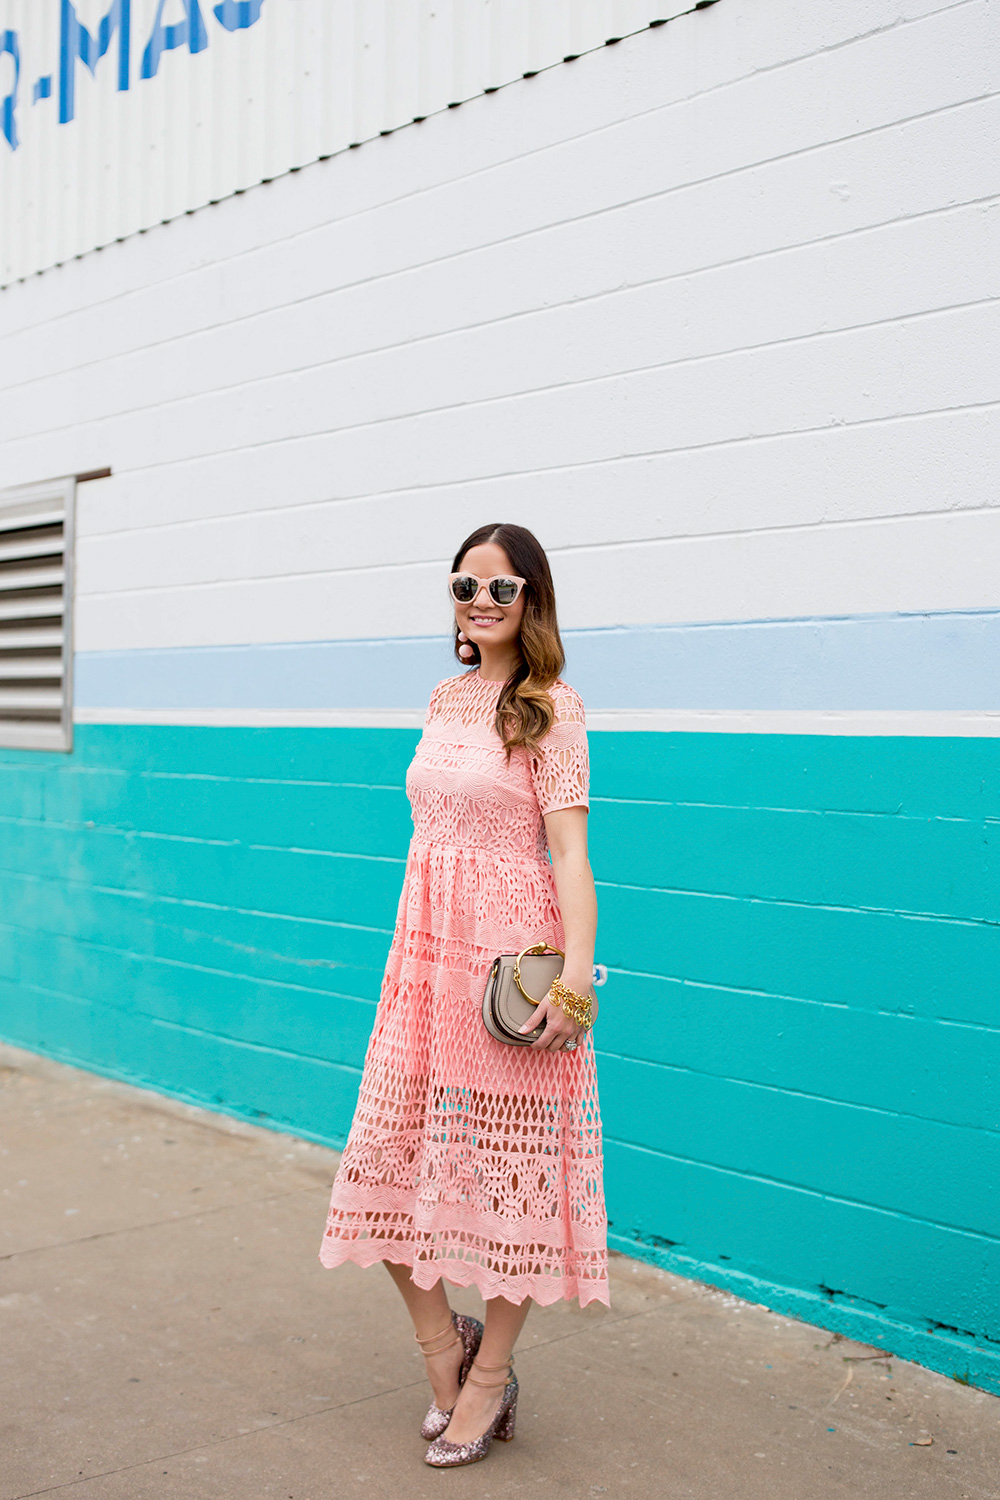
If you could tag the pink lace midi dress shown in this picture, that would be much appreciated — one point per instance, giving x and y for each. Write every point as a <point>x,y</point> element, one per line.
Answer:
<point>467,1158</point>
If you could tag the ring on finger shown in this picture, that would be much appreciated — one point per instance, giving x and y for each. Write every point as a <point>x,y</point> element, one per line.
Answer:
<point>569,1046</point>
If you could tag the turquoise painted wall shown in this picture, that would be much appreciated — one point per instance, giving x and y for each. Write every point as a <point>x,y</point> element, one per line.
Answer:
<point>800,1049</point>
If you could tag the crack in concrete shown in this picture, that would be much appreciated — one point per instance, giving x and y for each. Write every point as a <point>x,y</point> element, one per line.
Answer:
<point>108,1234</point>
<point>306,1416</point>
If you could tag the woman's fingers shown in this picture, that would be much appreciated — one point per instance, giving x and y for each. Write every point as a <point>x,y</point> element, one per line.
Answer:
<point>553,1035</point>
<point>559,1028</point>
<point>543,1013</point>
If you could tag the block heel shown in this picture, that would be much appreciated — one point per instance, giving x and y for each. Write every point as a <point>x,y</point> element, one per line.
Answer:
<point>505,1432</point>
<point>444,1455</point>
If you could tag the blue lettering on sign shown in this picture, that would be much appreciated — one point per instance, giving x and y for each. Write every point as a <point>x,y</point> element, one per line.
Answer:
<point>77,44</point>
<point>166,38</point>
<point>8,109</point>
<point>75,41</point>
<point>237,15</point>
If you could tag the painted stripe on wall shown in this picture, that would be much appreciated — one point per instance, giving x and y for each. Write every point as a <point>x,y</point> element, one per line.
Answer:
<point>947,661</point>
<point>621,721</point>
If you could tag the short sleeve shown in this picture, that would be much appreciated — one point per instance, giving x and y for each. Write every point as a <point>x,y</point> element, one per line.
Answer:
<point>561,771</point>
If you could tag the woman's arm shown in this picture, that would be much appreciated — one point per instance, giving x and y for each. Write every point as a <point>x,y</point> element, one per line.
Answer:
<point>567,834</point>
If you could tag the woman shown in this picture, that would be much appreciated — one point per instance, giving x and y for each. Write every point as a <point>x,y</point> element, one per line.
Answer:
<point>471,1160</point>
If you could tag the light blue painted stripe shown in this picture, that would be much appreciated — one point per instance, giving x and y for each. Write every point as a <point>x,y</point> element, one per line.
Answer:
<point>907,662</point>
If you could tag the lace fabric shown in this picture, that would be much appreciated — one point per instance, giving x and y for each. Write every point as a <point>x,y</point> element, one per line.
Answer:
<point>467,1158</point>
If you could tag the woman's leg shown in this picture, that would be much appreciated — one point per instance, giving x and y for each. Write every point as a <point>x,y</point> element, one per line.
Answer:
<point>431,1314</point>
<point>477,1404</point>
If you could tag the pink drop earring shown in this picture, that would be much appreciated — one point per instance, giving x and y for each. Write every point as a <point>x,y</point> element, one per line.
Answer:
<point>465,651</point>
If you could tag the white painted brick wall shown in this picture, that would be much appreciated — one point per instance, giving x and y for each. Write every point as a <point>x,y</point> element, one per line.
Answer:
<point>714,310</point>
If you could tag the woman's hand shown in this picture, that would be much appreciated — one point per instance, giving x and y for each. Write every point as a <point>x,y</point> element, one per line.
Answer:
<point>559,1028</point>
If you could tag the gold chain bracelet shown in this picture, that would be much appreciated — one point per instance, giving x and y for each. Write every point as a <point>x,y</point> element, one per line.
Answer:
<point>577,1007</point>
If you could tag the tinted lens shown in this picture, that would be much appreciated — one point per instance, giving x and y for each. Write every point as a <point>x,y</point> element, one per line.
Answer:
<point>464,588</point>
<point>504,590</point>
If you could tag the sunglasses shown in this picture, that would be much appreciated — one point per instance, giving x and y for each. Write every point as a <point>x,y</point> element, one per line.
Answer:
<point>503,588</point>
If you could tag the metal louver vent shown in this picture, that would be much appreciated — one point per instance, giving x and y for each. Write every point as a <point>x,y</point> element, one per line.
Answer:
<point>36,533</point>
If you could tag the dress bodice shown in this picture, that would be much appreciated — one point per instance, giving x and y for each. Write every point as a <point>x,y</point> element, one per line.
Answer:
<point>463,790</point>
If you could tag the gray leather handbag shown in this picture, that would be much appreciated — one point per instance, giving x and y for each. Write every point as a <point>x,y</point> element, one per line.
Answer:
<point>514,986</point>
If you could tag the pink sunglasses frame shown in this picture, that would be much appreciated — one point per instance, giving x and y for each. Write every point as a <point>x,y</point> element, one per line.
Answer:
<point>485,583</point>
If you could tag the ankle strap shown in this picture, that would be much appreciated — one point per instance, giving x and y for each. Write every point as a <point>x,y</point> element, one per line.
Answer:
<point>450,1328</point>
<point>495,1385</point>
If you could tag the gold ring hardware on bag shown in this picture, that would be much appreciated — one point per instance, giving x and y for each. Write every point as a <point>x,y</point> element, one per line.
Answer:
<point>538,949</point>
<point>508,1005</point>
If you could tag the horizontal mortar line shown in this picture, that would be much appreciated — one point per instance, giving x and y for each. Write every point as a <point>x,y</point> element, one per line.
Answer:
<point>895,815</point>
<point>213,778</point>
<point>540,309</point>
<point>91,1002</point>
<point>620,460</point>
<point>750,899</point>
<point>250,1046</point>
<point>126,1010</point>
<point>842,1005</point>
<point>489,324</point>
<point>222,519</point>
<point>375,859</point>
<point>42,825</point>
<point>215,941</point>
<point>189,901</point>
<point>154,960</point>
<point>202,1213</point>
<point>211,937</point>
<point>293,374</point>
<point>505,165</point>
<point>287,781</point>
<point>786,1091</point>
<point>746,898</point>
<point>749,438</point>
<point>676,1255</point>
<point>691,538</point>
<point>681,539</point>
<point>610,1319</point>
<point>880,29</point>
<point>809,1192</point>
<point>521,393</point>
<point>53,994</point>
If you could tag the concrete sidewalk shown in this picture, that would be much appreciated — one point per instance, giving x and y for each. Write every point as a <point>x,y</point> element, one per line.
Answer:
<point>166,1331</point>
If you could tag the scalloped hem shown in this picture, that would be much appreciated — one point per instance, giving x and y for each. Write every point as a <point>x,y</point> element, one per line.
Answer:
<point>545,1290</point>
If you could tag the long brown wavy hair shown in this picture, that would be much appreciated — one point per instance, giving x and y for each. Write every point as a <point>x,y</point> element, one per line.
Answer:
<point>525,710</point>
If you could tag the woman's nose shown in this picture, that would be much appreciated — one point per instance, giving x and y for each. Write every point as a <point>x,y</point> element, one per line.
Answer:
<point>482,599</point>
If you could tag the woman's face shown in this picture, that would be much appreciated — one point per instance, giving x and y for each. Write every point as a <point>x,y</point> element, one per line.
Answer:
<point>483,621</point>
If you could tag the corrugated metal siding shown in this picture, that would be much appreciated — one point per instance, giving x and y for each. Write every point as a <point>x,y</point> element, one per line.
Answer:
<point>296,81</point>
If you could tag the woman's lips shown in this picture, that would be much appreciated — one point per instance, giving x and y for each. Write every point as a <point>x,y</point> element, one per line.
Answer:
<point>484,620</point>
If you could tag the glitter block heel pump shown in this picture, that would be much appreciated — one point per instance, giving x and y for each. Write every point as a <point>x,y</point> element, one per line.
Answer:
<point>444,1455</point>
<point>465,1331</point>
<point>505,1431</point>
